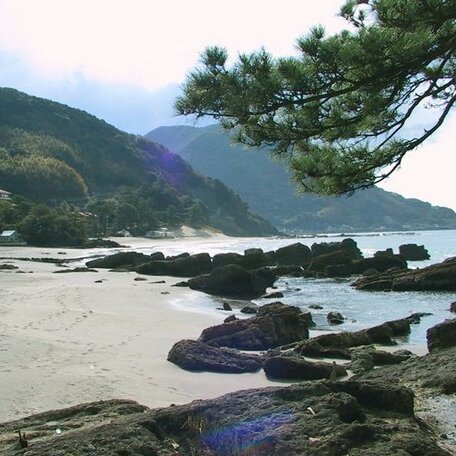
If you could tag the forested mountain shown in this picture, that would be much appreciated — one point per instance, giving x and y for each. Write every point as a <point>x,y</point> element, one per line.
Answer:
<point>51,153</point>
<point>265,185</point>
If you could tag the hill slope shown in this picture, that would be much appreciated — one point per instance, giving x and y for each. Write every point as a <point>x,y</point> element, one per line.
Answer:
<point>51,152</point>
<point>264,184</point>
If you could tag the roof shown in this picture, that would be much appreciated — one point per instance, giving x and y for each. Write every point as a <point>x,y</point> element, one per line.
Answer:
<point>4,192</point>
<point>7,233</point>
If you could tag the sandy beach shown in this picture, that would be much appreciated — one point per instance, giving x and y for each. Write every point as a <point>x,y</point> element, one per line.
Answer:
<point>65,339</point>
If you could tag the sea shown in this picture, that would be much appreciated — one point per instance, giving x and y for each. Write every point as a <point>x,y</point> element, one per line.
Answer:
<point>361,309</point>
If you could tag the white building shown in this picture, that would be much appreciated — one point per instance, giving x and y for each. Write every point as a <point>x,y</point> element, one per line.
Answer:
<point>4,194</point>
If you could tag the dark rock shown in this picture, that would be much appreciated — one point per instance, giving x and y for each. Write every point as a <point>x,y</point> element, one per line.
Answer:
<point>224,259</point>
<point>122,259</point>
<point>335,318</point>
<point>254,260</point>
<point>230,318</point>
<point>275,295</point>
<point>198,356</point>
<point>297,368</point>
<point>186,266</point>
<point>249,310</point>
<point>226,306</point>
<point>271,258</point>
<point>140,279</point>
<point>176,257</point>
<point>78,269</point>
<point>437,277</point>
<point>99,243</point>
<point>380,263</point>
<point>365,358</point>
<point>315,306</point>
<point>274,325</point>
<point>338,344</point>
<point>8,266</point>
<point>380,253</point>
<point>181,284</point>
<point>442,335</point>
<point>339,270</point>
<point>337,258</point>
<point>320,418</point>
<point>453,307</point>
<point>234,281</point>
<point>289,271</point>
<point>253,251</point>
<point>413,252</point>
<point>294,254</point>
<point>347,245</point>
<point>98,281</point>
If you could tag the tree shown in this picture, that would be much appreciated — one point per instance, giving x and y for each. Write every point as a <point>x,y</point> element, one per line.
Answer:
<point>339,113</point>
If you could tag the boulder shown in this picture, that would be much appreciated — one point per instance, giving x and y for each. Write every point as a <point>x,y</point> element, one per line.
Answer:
<point>197,356</point>
<point>437,277</point>
<point>442,335</point>
<point>234,281</point>
<point>254,260</point>
<point>290,271</point>
<point>274,295</point>
<point>253,251</point>
<point>297,368</point>
<point>413,252</point>
<point>315,306</point>
<point>123,259</point>
<point>379,263</point>
<point>230,318</point>
<point>249,310</point>
<point>226,306</point>
<point>366,358</point>
<point>335,318</point>
<point>7,267</point>
<point>177,257</point>
<point>349,246</point>
<point>294,254</point>
<point>185,266</point>
<point>453,307</point>
<point>274,325</point>
<point>224,259</point>
<point>386,252</point>
<point>336,258</point>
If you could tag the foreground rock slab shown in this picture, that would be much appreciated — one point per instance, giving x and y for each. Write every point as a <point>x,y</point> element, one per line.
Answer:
<point>312,418</point>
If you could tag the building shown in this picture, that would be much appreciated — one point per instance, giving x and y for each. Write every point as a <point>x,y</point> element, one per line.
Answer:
<point>4,194</point>
<point>11,237</point>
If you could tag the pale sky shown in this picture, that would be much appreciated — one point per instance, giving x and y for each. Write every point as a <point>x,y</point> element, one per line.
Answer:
<point>111,57</point>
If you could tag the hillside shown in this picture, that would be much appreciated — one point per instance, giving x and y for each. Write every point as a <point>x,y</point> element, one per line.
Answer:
<point>51,153</point>
<point>264,184</point>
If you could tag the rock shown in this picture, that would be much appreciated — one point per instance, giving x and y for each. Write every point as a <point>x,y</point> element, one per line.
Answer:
<point>335,318</point>
<point>235,282</point>
<point>294,254</point>
<point>230,318</point>
<point>271,258</point>
<point>387,252</point>
<point>181,284</point>
<point>340,258</point>
<point>98,281</point>
<point>437,277</point>
<point>186,266</point>
<point>453,307</point>
<point>8,267</point>
<point>123,259</point>
<point>99,243</point>
<point>297,368</point>
<point>413,252</point>
<point>349,246</point>
<point>140,279</point>
<point>366,358</point>
<point>338,344</point>
<point>310,418</point>
<point>197,356</point>
<point>176,257</point>
<point>78,269</point>
<point>275,295</point>
<point>249,310</point>
<point>442,335</point>
<point>380,263</point>
<point>289,271</point>
<point>226,306</point>
<point>224,259</point>
<point>315,306</point>
<point>253,251</point>
<point>274,325</point>
<point>254,260</point>
<point>339,270</point>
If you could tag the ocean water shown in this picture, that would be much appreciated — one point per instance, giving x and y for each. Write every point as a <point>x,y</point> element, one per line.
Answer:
<point>361,309</point>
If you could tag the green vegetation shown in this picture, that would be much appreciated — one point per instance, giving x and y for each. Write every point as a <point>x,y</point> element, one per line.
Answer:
<point>51,153</point>
<point>340,113</point>
<point>265,185</point>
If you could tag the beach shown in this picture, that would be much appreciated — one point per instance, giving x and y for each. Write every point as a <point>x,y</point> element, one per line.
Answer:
<point>65,339</point>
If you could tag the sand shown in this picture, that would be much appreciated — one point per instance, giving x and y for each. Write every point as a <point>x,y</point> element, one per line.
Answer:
<point>65,339</point>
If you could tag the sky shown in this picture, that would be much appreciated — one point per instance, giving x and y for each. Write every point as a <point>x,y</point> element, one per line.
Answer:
<point>124,61</point>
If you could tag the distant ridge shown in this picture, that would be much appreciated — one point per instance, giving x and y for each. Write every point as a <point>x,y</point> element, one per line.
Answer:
<point>265,186</point>
<point>50,152</point>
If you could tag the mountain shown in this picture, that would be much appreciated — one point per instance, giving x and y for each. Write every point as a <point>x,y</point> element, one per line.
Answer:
<point>51,153</point>
<point>265,185</point>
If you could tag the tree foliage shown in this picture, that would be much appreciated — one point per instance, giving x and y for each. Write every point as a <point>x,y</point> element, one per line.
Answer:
<point>340,112</point>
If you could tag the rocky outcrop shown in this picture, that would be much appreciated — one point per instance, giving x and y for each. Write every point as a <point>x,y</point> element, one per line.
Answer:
<point>185,266</point>
<point>413,252</point>
<point>123,259</point>
<point>297,368</point>
<point>366,358</point>
<point>197,356</point>
<point>224,259</point>
<point>294,254</point>
<point>274,325</point>
<point>437,277</point>
<point>235,282</point>
<point>442,335</point>
<point>335,318</point>
<point>311,418</point>
<point>349,246</point>
<point>338,345</point>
